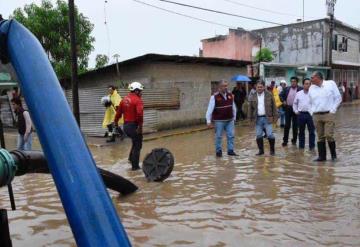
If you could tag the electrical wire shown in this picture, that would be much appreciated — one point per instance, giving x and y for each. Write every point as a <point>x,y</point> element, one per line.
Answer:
<point>218,12</point>
<point>184,15</point>
<point>265,10</point>
<point>107,28</point>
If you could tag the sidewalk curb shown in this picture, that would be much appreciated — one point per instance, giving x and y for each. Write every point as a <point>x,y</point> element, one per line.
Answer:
<point>186,132</point>
<point>178,133</point>
<point>351,103</point>
<point>154,138</point>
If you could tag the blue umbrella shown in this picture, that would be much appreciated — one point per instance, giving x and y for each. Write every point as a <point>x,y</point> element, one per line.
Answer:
<point>242,78</point>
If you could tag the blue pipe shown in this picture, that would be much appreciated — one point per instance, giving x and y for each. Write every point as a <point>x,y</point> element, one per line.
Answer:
<point>88,206</point>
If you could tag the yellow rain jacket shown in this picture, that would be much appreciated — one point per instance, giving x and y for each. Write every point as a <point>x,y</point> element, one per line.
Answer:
<point>110,111</point>
<point>275,93</point>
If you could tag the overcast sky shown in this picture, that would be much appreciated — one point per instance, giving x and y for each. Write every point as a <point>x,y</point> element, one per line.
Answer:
<point>135,29</point>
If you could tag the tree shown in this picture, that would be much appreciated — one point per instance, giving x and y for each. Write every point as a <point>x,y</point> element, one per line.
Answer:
<point>101,60</point>
<point>50,24</point>
<point>264,55</point>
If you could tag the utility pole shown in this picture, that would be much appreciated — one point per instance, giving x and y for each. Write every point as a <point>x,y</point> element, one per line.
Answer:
<point>74,69</point>
<point>259,67</point>
<point>330,12</point>
<point>117,56</point>
<point>303,10</point>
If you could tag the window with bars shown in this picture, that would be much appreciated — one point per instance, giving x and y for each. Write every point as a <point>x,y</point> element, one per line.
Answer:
<point>340,43</point>
<point>335,42</point>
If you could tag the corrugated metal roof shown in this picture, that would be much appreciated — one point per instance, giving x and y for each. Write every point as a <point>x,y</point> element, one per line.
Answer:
<point>148,58</point>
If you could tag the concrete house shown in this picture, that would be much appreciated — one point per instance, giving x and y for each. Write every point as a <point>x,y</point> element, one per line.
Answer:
<point>239,44</point>
<point>308,43</point>
<point>177,88</point>
<point>299,48</point>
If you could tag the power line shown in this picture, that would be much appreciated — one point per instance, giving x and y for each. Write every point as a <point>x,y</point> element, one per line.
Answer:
<point>261,9</point>
<point>183,15</point>
<point>219,12</point>
<point>107,29</point>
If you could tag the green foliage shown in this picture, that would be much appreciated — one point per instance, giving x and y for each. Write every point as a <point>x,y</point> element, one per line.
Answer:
<point>101,60</point>
<point>264,55</point>
<point>50,24</point>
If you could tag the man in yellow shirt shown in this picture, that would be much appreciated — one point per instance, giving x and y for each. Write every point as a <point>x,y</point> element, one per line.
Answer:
<point>111,102</point>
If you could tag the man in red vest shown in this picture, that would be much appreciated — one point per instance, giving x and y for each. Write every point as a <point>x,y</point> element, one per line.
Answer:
<point>132,108</point>
<point>221,113</point>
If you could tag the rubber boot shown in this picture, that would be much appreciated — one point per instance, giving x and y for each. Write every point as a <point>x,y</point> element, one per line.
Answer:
<point>260,143</point>
<point>332,146</point>
<point>272,146</point>
<point>135,167</point>
<point>111,139</point>
<point>321,151</point>
<point>121,133</point>
<point>232,153</point>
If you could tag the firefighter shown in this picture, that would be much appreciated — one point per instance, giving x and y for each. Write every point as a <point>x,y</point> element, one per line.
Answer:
<point>132,109</point>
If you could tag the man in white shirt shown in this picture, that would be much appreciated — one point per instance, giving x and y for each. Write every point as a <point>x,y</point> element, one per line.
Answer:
<point>325,99</point>
<point>263,112</point>
<point>222,112</point>
<point>301,107</point>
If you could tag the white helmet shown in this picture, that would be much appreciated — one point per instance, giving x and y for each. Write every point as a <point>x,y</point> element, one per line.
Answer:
<point>136,85</point>
<point>105,101</point>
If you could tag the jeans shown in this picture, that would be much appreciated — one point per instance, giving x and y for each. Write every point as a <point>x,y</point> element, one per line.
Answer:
<point>131,131</point>
<point>290,119</point>
<point>281,112</point>
<point>305,119</point>
<point>228,126</point>
<point>22,145</point>
<point>261,124</point>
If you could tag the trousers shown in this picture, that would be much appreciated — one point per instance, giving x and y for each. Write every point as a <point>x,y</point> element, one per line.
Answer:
<point>228,127</point>
<point>130,130</point>
<point>306,120</point>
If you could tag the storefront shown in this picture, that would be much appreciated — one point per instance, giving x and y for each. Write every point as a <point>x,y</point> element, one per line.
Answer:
<point>349,76</point>
<point>277,72</point>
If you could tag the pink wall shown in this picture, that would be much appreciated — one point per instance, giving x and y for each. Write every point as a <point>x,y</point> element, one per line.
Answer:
<point>236,46</point>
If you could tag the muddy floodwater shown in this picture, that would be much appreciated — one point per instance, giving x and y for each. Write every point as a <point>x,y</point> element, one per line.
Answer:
<point>286,200</point>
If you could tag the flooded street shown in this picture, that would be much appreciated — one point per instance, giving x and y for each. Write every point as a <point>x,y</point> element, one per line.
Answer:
<point>286,200</point>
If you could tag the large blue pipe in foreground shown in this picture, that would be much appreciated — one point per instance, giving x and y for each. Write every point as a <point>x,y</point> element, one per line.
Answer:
<point>88,206</point>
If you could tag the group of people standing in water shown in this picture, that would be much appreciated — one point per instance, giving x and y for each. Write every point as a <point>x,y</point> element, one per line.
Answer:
<point>312,105</point>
